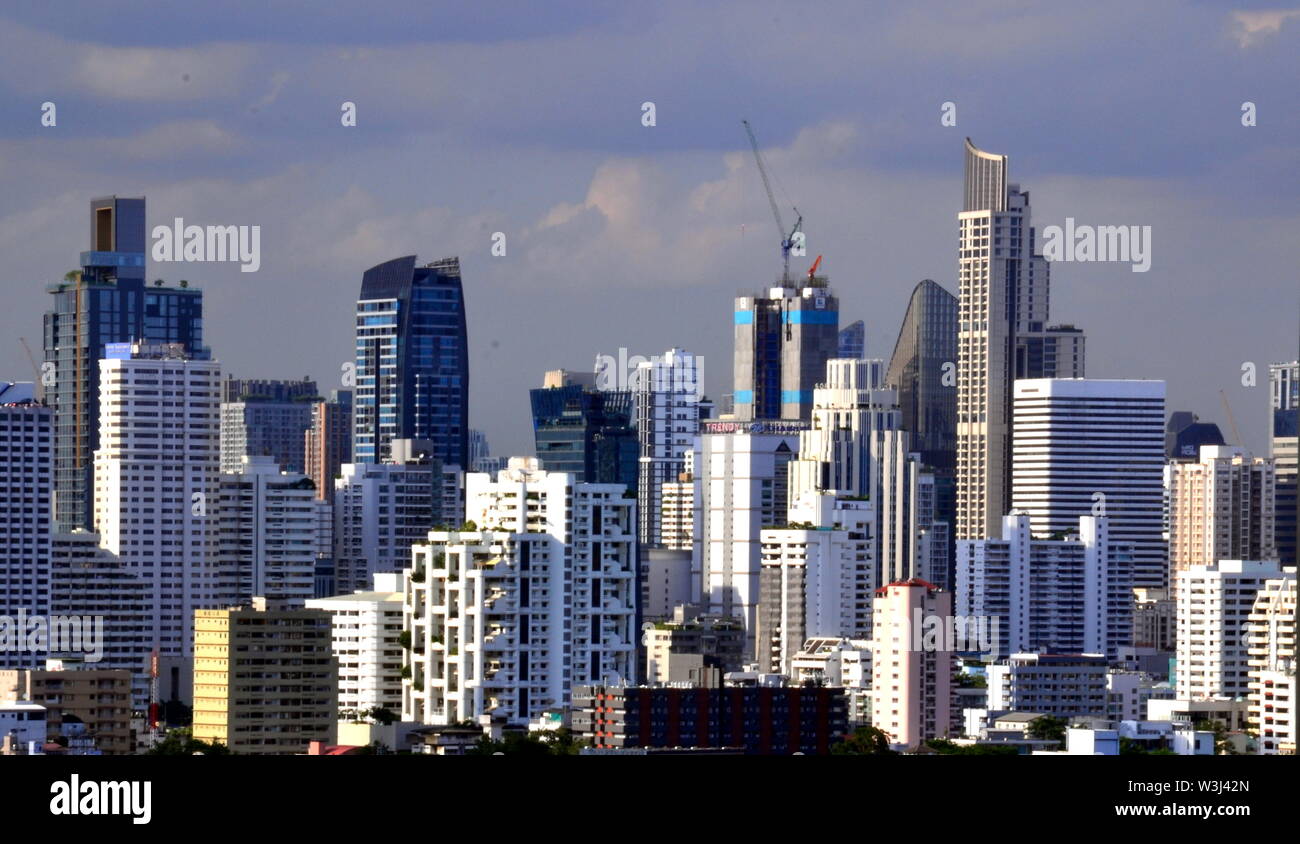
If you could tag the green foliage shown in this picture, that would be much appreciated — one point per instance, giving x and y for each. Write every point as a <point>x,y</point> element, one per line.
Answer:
<point>559,742</point>
<point>947,748</point>
<point>864,741</point>
<point>1047,728</point>
<point>181,742</point>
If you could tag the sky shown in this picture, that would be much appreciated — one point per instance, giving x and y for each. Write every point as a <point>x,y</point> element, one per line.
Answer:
<point>526,119</point>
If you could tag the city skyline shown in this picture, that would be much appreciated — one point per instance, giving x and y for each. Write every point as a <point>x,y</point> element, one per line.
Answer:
<point>627,211</point>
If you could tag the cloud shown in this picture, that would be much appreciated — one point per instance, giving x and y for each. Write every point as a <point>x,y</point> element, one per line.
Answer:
<point>1252,26</point>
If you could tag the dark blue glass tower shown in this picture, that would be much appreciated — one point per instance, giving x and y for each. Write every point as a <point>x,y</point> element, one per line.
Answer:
<point>412,366</point>
<point>590,433</point>
<point>108,301</point>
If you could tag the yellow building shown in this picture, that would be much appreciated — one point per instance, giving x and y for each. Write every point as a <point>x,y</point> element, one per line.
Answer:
<point>265,679</point>
<point>99,698</point>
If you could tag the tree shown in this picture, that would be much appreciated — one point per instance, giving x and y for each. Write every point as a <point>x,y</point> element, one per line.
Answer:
<point>381,715</point>
<point>948,748</point>
<point>561,742</point>
<point>181,742</point>
<point>864,741</point>
<point>1222,744</point>
<point>1047,728</point>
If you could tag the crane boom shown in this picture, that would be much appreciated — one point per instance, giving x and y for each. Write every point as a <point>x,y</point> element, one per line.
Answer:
<point>1231,419</point>
<point>787,240</point>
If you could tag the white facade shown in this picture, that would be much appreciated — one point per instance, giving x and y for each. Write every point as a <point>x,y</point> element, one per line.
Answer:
<point>26,488</point>
<point>817,578</point>
<point>677,514</point>
<point>1092,447</point>
<point>271,531</point>
<point>666,391</point>
<point>505,619</point>
<point>381,511</point>
<point>1270,640</point>
<point>1062,686</point>
<point>1003,291</point>
<point>910,540</point>
<point>156,484</point>
<point>740,486</point>
<point>1072,595</point>
<point>1214,606</point>
<point>366,632</point>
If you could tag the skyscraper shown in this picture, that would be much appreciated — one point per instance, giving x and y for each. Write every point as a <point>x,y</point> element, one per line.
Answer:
<point>1221,508</point>
<point>783,340</point>
<point>106,302</point>
<point>853,341</point>
<point>923,371</point>
<point>26,483</point>
<point>156,483</point>
<point>1003,286</point>
<point>328,442</point>
<point>1284,448</point>
<point>412,360</point>
<point>584,431</point>
<point>666,394</point>
<point>265,419</point>
<point>1093,447</point>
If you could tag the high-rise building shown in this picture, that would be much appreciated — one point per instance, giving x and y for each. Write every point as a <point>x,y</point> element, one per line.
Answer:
<point>1221,508</point>
<point>1271,643</point>
<point>157,482</point>
<point>817,580</point>
<point>265,679</point>
<point>272,531</point>
<point>92,582</point>
<point>412,363</point>
<point>327,444</point>
<point>366,634</point>
<point>26,510</point>
<point>783,340</point>
<point>911,684</point>
<point>106,302</point>
<point>265,419</point>
<point>676,513</point>
<point>741,486</point>
<point>503,619</point>
<point>1185,434</point>
<point>1067,595</point>
<point>666,394</point>
<point>1003,285</point>
<point>923,369</point>
<point>1284,448</point>
<point>1093,447</point>
<point>853,341</point>
<point>381,510</point>
<point>584,431</point>
<point>914,538</point>
<point>850,411</point>
<point>1214,606</point>
<point>1059,685</point>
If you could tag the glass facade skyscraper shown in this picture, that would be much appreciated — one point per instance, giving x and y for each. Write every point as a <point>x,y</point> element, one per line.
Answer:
<point>927,393</point>
<point>588,432</point>
<point>412,361</point>
<point>107,302</point>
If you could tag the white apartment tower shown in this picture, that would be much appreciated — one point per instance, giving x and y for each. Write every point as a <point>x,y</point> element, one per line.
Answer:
<point>741,484</point>
<point>1003,297</point>
<point>817,578</point>
<point>366,633</point>
<point>382,510</point>
<point>504,619</point>
<point>1214,607</point>
<point>273,528</point>
<point>666,392</point>
<point>1062,596</point>
<point>1270,643</point>
<point>157,475</point>
<point>1092,447</point>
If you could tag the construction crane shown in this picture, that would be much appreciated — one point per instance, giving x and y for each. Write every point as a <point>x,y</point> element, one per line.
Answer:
<point>38,387</point>
<point>1231,419</point>
<point>812,271</point>
<point>787,240</point>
